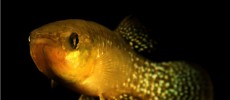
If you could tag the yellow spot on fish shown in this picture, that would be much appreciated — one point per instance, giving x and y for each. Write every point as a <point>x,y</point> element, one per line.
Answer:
<point>72,56</point>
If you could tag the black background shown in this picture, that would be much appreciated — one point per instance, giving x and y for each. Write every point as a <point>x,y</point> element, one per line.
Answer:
<point>185,32</point>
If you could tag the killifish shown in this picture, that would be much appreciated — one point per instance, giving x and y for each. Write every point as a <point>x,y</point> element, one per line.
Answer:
<point>96,61</point>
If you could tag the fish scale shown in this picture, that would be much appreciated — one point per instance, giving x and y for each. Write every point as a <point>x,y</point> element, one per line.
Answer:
<point>155,80</point>
<point>95,61</point>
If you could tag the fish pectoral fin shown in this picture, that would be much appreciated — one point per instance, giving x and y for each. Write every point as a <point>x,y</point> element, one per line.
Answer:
<point>85,97</point>
<point>53,83</point>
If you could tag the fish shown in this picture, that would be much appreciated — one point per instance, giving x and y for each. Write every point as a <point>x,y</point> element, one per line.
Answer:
<point>95,61</point>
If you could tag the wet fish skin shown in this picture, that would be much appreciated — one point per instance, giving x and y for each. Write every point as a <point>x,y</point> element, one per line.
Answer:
<point>93,60</point>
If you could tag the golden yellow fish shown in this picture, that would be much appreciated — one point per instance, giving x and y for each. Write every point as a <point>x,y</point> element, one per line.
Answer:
<point>96,61</point>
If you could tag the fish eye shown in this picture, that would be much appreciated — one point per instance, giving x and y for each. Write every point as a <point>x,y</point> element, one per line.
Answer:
<point>73,39</point>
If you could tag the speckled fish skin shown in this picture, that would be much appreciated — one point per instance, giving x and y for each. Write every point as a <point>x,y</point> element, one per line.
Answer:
<point>136,34</point>
<point>95,61</point>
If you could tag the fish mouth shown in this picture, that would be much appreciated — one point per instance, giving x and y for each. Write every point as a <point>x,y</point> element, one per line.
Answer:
<point>38,54</point>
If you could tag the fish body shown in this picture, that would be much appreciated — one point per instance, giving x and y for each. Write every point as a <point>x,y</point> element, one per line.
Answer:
<point>96,61</point>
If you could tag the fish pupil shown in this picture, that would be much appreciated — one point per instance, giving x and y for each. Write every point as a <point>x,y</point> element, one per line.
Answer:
<point>73,40</point>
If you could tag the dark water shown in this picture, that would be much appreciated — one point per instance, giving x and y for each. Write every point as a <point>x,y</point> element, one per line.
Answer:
<point>183,33</point>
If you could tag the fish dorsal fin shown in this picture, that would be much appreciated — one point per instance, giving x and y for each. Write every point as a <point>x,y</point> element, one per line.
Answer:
<point>136,34</point>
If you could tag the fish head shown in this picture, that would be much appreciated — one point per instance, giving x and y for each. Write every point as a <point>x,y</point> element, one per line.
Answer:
<point>63,50</point>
